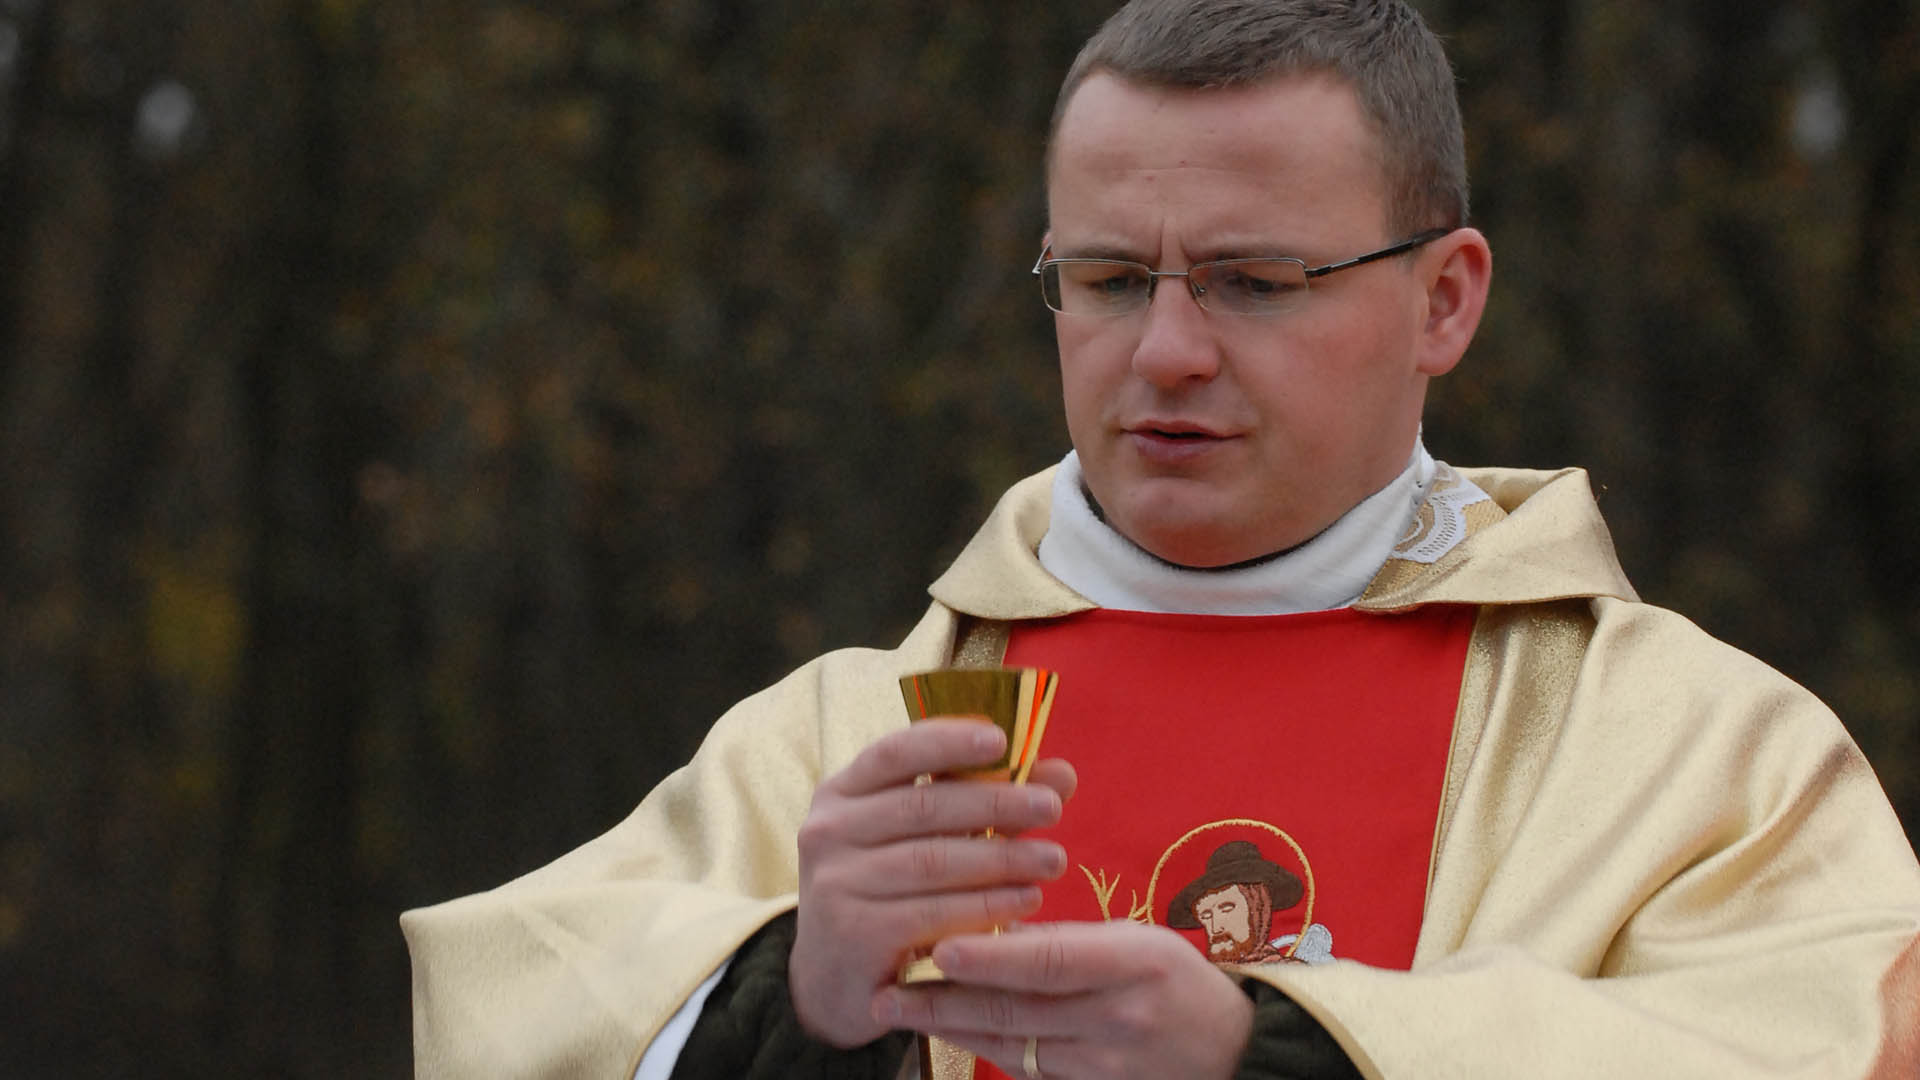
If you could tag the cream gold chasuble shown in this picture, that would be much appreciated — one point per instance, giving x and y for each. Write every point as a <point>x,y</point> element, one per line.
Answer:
<point>1652,854</point>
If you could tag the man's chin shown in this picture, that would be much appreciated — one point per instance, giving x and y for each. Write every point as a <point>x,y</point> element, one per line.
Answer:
<point>1196,523</point>
<point>1197,544</point>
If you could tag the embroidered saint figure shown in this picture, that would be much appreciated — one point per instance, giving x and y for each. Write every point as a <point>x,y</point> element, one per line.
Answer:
<point>1233,901</point>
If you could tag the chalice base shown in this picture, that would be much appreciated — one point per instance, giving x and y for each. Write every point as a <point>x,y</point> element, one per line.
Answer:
<point>921,970</point>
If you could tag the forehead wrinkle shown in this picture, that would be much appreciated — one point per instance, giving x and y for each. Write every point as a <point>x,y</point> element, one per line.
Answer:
<point>1148,214</point>
<point>1163,233</point>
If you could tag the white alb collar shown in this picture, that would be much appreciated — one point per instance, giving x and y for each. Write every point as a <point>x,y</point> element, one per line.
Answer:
<point>1329,571</point>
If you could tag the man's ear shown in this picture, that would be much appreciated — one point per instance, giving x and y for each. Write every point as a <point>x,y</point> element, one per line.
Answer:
<point>1457,269</point>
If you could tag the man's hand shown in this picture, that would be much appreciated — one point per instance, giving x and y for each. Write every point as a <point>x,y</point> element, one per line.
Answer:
<point>1108,1000</point>
<point>887,866</point>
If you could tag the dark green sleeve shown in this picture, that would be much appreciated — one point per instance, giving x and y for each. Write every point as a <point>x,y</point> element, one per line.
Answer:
<point>748,1029</point>
<point>1288,1043</point>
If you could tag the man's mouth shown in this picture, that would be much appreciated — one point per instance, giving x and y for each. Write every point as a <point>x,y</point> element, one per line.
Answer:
<point>1176,444</point>
<point>1176,430</point>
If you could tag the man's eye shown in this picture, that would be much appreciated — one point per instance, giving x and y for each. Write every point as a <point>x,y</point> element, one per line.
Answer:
<point>1256,282</point>
<point>1103,283</point>
<point>1109,280</point>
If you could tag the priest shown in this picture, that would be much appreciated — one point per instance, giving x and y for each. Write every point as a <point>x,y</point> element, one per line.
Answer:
<point>1540,828</point>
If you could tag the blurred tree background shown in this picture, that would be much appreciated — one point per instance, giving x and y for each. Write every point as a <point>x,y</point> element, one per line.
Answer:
<point>422,417</point>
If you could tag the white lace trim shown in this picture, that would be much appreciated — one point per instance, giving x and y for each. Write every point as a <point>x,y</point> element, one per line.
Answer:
<point>1440,522</point>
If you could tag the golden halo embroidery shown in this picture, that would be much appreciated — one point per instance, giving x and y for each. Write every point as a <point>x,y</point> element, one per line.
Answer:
<point>1233,900</point>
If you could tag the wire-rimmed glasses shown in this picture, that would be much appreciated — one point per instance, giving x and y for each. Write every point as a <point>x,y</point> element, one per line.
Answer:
<point>1266,286</point>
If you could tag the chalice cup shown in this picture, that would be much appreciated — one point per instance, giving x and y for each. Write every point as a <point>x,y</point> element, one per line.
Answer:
<point>1016,700</point>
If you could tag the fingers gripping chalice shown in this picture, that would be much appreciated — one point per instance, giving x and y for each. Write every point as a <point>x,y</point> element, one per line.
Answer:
<point>1016,700</point>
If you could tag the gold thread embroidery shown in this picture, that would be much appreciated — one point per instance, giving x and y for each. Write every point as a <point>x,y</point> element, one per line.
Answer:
<point>1102,891</point>
<point>1153,883</point>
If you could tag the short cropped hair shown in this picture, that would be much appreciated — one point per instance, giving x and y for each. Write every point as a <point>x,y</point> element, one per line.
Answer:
<point>1382,48</point>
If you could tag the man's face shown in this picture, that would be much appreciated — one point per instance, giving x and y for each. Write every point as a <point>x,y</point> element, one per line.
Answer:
<point>1224,912</point>
<point>1209,438</point>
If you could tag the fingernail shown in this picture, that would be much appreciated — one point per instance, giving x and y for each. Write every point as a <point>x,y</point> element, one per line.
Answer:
<point>886,1009</point>
<point>1042,800</point>
<point>1056,860</point>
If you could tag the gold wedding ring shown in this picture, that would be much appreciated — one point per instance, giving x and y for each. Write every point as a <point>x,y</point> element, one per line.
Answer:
<point>1030,1061</point>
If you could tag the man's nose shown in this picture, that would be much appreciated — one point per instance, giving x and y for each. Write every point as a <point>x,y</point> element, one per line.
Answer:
<point>1176,339</point>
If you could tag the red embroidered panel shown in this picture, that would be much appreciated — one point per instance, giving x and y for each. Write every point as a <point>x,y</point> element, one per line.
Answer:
<point>1239,771</point>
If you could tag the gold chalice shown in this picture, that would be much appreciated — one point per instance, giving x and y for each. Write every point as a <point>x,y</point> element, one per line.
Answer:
<point>1016,700</point>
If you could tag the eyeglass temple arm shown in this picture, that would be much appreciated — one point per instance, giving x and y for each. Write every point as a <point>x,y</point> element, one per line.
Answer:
<point>1406,245</point>
<point>1312,271</point>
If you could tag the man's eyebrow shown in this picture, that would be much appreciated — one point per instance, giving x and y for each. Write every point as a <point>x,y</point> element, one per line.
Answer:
<point>1232,248</point>
<point>1098,251</point>
<point>1239,247</point>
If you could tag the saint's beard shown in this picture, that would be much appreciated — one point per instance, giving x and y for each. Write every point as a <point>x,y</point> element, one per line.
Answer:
<point>1224,947</point>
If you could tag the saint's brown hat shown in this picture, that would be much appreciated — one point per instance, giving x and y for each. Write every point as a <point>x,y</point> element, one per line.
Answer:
<point>1236,862</point>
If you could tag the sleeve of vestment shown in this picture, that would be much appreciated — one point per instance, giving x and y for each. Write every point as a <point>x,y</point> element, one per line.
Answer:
<point>663,1050</point>
<point>570,971</point>
<point>1661,858</point>
<point>749,1031</point>
<point>1288,1043</point>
